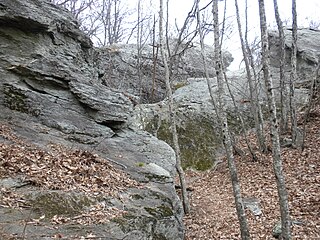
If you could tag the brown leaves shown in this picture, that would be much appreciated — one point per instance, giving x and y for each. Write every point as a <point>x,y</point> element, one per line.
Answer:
<point>213,213</point>
<point>60,168</point>
<point>97,214</point>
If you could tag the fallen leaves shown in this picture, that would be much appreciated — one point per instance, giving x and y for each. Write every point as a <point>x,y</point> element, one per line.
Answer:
<point>60,168</point>
<point>213,213</point>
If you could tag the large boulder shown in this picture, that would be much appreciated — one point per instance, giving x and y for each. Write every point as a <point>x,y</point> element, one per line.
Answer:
<point>50,93</point>
<point>197,125</point>
<point>120,67</point>
<point>196,122</point>
<point>307,53</point>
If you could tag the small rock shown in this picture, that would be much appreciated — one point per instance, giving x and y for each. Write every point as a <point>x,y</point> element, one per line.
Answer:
<point>276,231</point>
<point>253,204</point>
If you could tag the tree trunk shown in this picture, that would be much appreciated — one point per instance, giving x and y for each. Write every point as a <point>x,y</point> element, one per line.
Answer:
<point>253,93</point>
<point>283,87</point>
<point>293,75</point>
<point>180,171</point>
<point>274,131</point>
<point>311,96</point>
<point>225,129</point>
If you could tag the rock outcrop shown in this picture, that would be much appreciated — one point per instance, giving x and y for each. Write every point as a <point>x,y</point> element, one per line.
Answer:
<point>197,126</point>
<point>50,93</point>
<point>307,53</point>
<point>120,68</point>
<point>196,119</point>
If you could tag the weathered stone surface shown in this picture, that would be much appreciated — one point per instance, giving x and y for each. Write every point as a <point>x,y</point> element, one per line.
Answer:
<point>50,93</point>
<point>105,106</point>
<point>119,68</point>
<point>36,70</point>
<point>196,121</point>
<point>307,56</point>
<point>197,128</point>
<point>149,215</point>
<point>253,204</point>
<point>276,231</point>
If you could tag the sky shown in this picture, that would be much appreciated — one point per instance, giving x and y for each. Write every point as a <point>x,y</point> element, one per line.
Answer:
<point>307,10</point>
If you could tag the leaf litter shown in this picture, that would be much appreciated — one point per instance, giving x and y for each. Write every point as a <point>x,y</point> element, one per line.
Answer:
<point>213,214</point>
<point>60,168</point>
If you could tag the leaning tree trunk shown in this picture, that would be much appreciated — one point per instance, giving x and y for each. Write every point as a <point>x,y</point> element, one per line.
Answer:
<point>283,87</point>
<point>253,93</point>
<point>257,83</point>
<point>180,171</point>
<point>313,87</point>
<point>225,129</point>
<point>274,132</point>
<point>293,75</point>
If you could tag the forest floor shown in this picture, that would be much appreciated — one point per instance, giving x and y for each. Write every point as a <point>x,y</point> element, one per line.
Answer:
<point>213,214</point>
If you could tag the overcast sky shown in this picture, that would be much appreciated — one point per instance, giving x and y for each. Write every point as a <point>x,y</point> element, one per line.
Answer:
<point>307,10</point>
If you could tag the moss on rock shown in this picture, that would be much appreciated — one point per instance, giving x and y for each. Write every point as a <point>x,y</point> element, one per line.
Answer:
<point>160,211</point>
<point>197,138</point>
<point>58,203</point>
<point>15,99</point>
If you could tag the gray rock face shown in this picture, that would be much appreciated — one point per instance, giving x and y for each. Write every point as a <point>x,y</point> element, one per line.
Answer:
<point>253,204</point>
<point>196,122</point>
<point>104,105</point>
<point>197,128</point>
<point>50,93</point>
<point>308,53</point>
<point>119,68</point>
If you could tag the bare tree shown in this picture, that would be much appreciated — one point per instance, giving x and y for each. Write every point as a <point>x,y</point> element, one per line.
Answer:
<point>314,24</point>
<point>139,44</point>
<point>185,200</point>
<point>76,7</point>
<point>102,20</point>
<point>184,39</point>
<point>313,88</point>
<point>254,101</point>
<point>274,127</point>
<point>293,75</point>
<point>253,50</point>
<point>221,112</point>
<point>155,51</point>
<point>283,87</point>
<point>111,15</point>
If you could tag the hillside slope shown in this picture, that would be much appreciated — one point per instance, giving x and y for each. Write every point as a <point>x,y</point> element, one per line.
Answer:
<point>213,213</point>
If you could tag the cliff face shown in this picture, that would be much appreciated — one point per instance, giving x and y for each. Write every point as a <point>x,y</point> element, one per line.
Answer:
<point>48,62</point>
<point>50,93</point>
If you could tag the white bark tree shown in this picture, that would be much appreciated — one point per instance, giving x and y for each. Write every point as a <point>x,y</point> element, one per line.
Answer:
<point>185,199</point>
<point>283,83</point>
<point>313,88</point>
<point>293,75</point>
<point>221,114</point>
<point>254,100</point>
<point>274,127</point>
